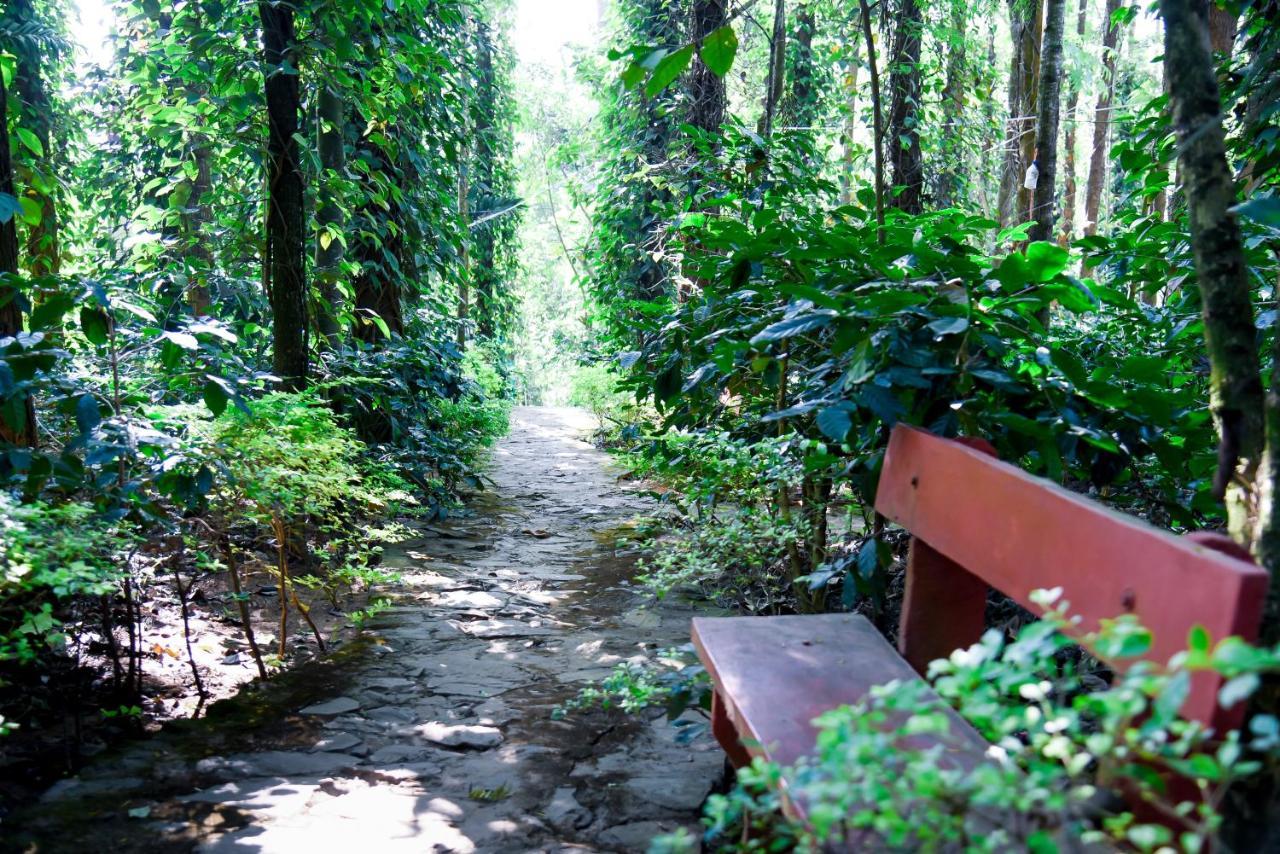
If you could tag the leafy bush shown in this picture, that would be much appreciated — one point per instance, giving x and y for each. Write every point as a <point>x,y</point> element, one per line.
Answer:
<point>595,388</point>
<point>51,555</point>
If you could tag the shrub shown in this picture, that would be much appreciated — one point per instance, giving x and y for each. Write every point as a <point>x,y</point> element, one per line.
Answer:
<point>49,556</point>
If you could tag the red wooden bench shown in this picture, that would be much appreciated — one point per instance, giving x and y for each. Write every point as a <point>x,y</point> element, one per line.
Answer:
<point>976,523</point>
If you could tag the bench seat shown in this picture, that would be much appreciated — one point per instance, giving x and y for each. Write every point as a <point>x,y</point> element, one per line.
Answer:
<point>774,675</point>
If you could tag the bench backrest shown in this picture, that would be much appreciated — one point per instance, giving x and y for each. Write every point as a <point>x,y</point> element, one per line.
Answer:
<point>978,522</point>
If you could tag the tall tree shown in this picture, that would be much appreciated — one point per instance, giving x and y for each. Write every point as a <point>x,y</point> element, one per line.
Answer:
<point>706,88</point>
<point>10,295</point>
<point>1019,141</point>
<point>1102,120</point>
<point>776,78</point>
<point>286,212</point>
<point>1237,399</point>
<point>801,101</point>
<point>36,111</point>
<point>331,147</point>
<point>905,155</point>
<point>1045,196</point>
<point>950,175</point>
<point>492,190</point>
<point>1069,188</point>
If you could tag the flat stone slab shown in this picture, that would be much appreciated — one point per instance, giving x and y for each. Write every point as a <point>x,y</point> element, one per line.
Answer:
<point>336,706</point>
<point>499,628</point>
<point>464,735</point>
<point>281,763</point>
<point>338,742</point>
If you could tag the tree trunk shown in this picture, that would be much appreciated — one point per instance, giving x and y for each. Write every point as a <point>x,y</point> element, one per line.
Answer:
<point>464,277</point>
<point>1033,38</point>
<point>953,98</point>
<point>1102,121</point>
<point>1222,30</point>
<point>876,118</point>
<point>1045,194</point>
<point>10,307</point>
<point>1235,393</point>
<point>286,215</point>
<point>1069,188</point>
<point>777,68</point>
<point>1024,24</point>
<point>331,145</point>
<point>379,244</point>
<point>905,158</point>
<point>706,88</point>
<point>800,104</point>
<point>36,114</point>
<point>849,128</point>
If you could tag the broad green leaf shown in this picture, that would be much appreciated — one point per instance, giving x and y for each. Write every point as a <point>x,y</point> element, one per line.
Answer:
<point>215,396</point>
<point>95,324</point>
<point>719,49</point>
<point>668,69</point>
<point>31,211</point>
<point>8,207</point>
<point>30,141</point>
<point>835,423</point>
<point>1264,210</point>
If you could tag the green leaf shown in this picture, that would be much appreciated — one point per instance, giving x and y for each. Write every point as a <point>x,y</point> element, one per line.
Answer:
<point>797,325</point>
<point>95,324</point>
<point>718,50</point>
<point>1264,210</point>
<point>1198,639</point>
<point>215,396</point>
<point>31,212</point>
<point>668,69</point>
<point>183,340</point>
<point>88,416</point>
<point>1237,689</point>
<point>30,141</point>
<point>949,326</point>
<point>1046,260</point>
<point>8,207</point>
<point>835,423</point>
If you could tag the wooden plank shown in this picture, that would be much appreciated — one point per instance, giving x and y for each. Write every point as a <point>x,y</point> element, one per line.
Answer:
<point>1019,533</point>
<point>774,675</point>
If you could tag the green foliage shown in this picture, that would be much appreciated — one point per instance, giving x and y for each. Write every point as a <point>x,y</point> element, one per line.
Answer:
<point>50,556</point>
<point>673,680</point>
<point>595,388</point>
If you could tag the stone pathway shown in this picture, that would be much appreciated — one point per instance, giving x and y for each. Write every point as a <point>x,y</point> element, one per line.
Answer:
<point>435,735</point>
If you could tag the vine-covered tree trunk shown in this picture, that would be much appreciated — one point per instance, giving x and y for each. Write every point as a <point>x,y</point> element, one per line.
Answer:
<point>800,103</point>
<point>331,146</point>
<point>379,245</point>
<point>850,125</point>
<point>1044,197</point>
<point>1102,120</point>
<point>1070,191</point>
<point>953,100</point>
<point>10,307</point>
<point>286,212</point>
<point>1223,24</point>
<point>706,88</point>
<point>1235,391</point>
<point>1024,25</point>
<point>777,68</point>
<point>905,157</point>
<point>877,116</point>
<point>43,252</point>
